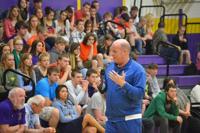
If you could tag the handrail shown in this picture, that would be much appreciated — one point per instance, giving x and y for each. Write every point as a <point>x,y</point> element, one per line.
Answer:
<point>134,3</point>
<point>152,6</point>
<point>176,14</point>
<point>141,2</point>
<point>196,104</point>
<point>21,74</point>
<point>117,24</point>
<point>188,23</point>
<point>166,44</point>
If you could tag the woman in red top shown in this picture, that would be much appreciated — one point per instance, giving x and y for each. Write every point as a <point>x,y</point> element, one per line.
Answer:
<point>88,47</point>
<point>34,30</point>
<point>9,23</point>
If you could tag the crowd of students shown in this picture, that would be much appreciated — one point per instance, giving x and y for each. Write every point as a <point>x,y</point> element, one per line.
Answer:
<point>65,54</point>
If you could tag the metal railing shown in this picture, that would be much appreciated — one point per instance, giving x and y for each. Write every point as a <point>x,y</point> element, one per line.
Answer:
<point>167,58</point>
<point>151,6</point>
<point>162,18</point>
<point>29,93</point>
<point>105,26</point>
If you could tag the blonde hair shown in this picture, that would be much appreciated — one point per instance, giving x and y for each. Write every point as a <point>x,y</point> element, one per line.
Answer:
<point>43,55</point>
<point>22,65</point>
<point>149,18</point>
<point>19,18</point>
<point>17,38</point>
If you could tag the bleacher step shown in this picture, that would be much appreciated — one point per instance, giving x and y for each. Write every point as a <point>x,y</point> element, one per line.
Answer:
<point>191,80</point>
<point>173,70</point>
<point>148,59</point>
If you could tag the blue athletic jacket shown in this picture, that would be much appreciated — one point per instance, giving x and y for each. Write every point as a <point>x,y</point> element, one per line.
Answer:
<point>127,100</point>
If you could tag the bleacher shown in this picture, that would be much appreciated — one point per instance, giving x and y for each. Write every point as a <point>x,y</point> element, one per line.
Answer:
<point>175,71</point>
<point>172,22</point>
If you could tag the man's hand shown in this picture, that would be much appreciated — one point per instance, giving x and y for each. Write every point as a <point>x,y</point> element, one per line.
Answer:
<point>179,119</point>
<point>50,130</point>
<point>118,79</point>
<point>48,102</point>
<point>187,114</point>
<point>175,100</point>
<point>68,68</point>
<point>109,24</point>
<point>95,86</point>
<point>84,84</point>
<point>146,102</point>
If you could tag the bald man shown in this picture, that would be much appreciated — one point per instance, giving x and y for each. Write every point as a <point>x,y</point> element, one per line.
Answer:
<point>125,82</point>
<point>12,112</point>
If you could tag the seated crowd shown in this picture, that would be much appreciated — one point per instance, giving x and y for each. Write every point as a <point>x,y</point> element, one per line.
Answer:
<point>65,55</point>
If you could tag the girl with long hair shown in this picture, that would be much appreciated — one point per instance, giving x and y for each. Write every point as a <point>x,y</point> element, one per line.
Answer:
<point>9,23</point>
<point>25,67</point>
<point>37,48</point>
<point>70,119</point>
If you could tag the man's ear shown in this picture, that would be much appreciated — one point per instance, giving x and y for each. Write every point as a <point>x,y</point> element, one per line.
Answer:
<point>33,105</point>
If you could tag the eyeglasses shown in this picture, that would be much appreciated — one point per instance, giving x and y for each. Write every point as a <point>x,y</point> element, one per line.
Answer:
<point>6,49</point>
<point>45,60</point>
<point>66,60</point>
<point>11,59</point>
<point>18,43</point>
<point>39,105</point>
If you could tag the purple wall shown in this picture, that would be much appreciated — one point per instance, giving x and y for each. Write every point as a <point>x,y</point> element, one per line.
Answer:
<point>59,4</point>
<point>6,4</point>
<point>56,4</point>
<point>105,5</point>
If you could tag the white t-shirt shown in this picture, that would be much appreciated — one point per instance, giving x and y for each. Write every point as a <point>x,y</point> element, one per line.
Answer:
<point>97,101</point>
<point>195,94</point>
<point>76,94</point>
